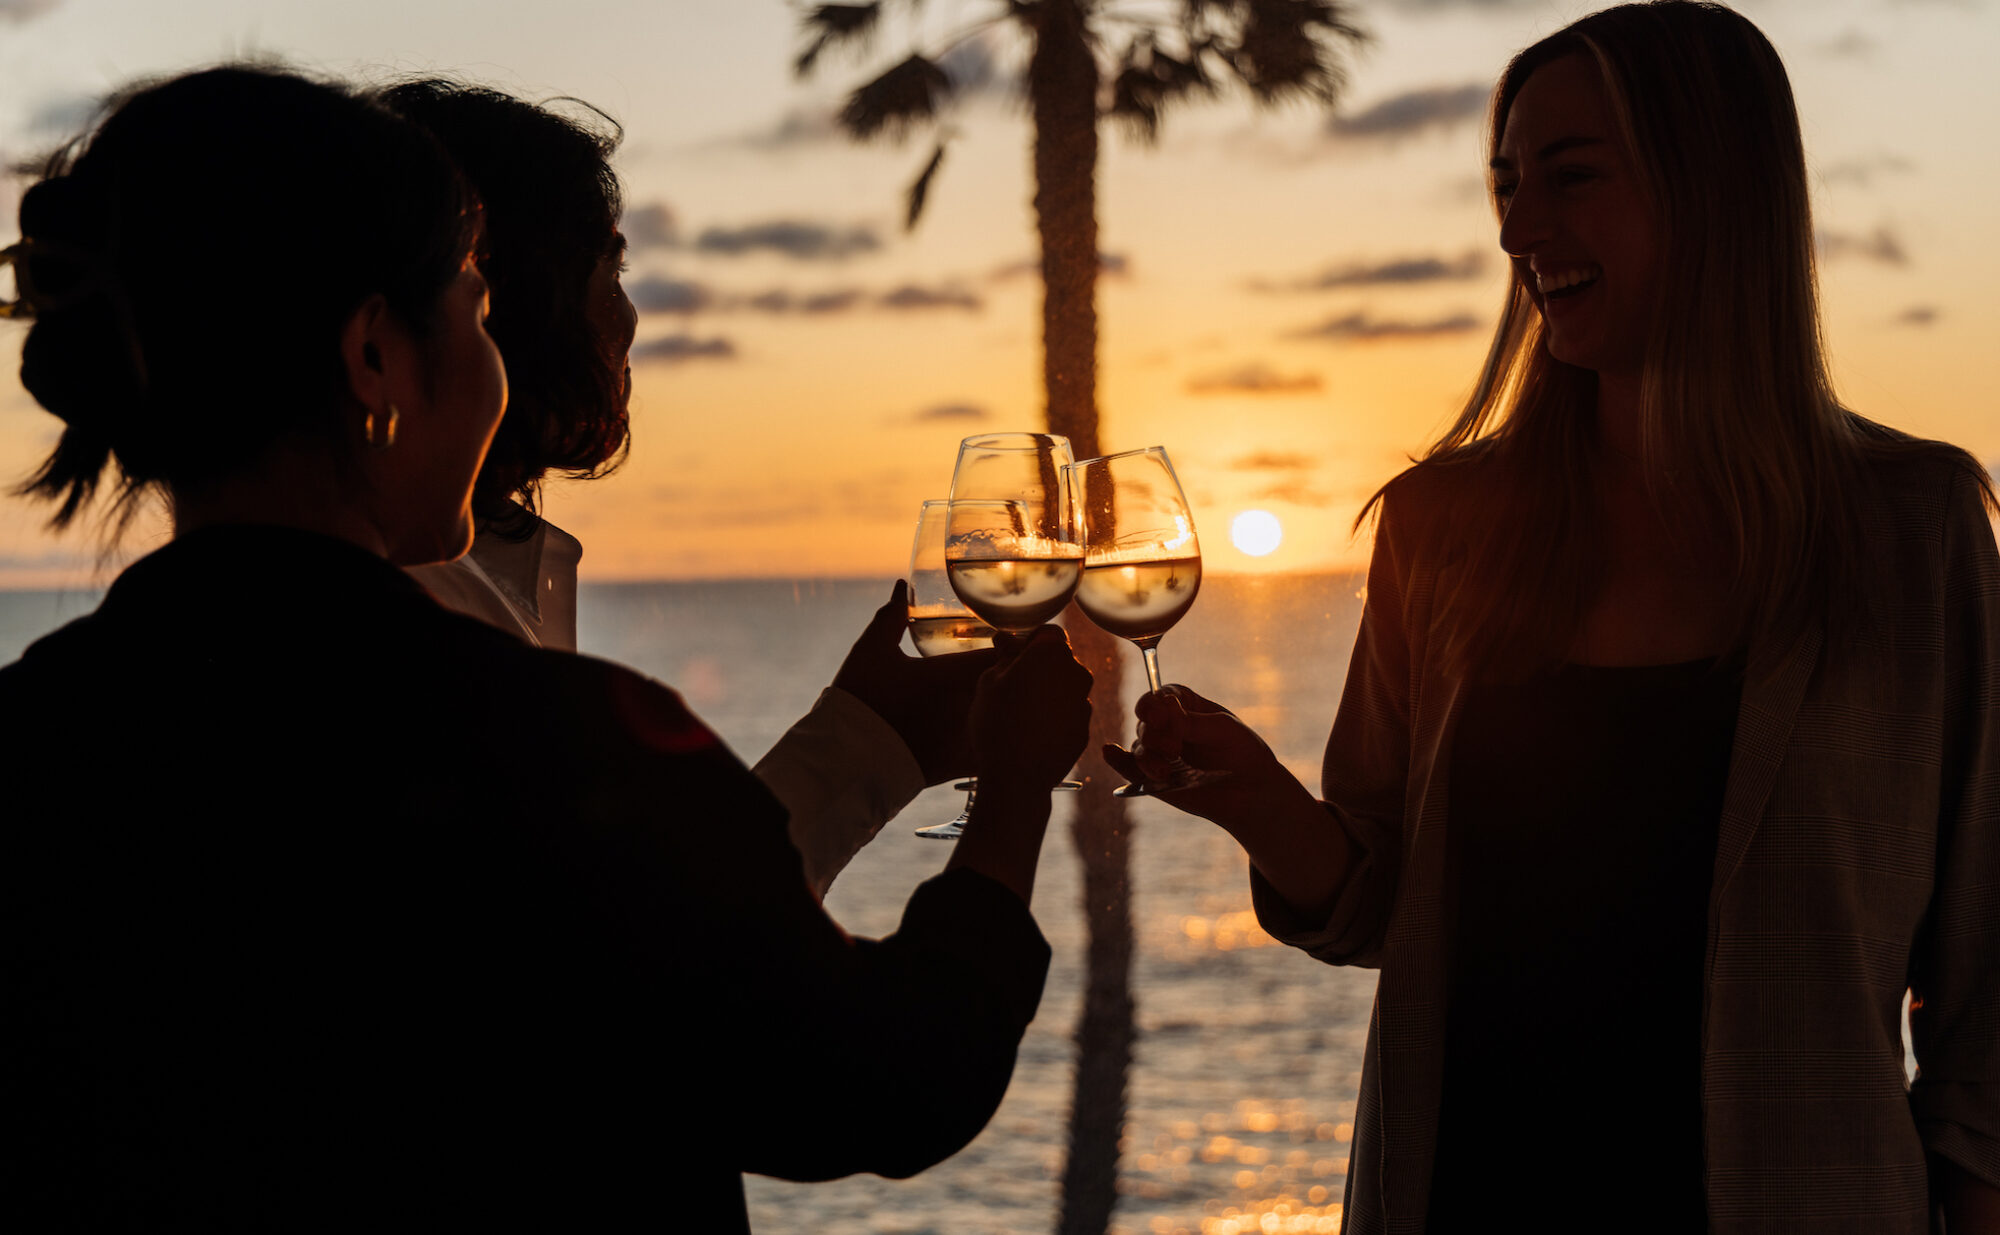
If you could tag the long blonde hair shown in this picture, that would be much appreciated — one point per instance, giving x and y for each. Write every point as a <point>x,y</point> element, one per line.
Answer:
<point>1738,416</point>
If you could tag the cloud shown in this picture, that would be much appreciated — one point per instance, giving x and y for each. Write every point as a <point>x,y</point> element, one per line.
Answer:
<point>912,296</point>
<point>651,226</point>
<point>1363,328</point>
<point>675,348</point>
<point>801,241</point>
<point>1109,265</point>
<point>1918,315</point>
<point>1271,461</point>
<point>1851,44</point>
<point>800,126</point>
<point>62,114</point>
<point>1863,171</point>
<point>779,301</point>
<point>1881,245</point>
<point>1414,111</point>
<point>1255,378</point>
<point>18,11</point>
<point>953,413</point>
<point>656,294</point>
<point>1297,492</point>
<point>1400,271</point>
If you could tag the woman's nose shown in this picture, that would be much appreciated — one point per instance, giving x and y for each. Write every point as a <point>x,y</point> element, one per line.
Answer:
<point>1524,223</point>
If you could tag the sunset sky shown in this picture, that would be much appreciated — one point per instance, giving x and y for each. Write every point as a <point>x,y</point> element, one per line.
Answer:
<point>1297,301</point>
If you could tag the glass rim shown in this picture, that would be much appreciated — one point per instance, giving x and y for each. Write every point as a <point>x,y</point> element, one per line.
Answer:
<point>988,438</point>
<point>1123,454</point>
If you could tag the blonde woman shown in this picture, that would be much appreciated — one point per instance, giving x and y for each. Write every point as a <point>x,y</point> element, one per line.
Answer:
<point>1669,756</point>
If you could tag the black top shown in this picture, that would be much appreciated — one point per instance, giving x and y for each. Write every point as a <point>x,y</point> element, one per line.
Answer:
<point>322,908</point>
<point>1585,811</point>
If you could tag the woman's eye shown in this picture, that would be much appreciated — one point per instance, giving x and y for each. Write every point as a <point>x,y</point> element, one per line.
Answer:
<point>1570,176</point>
<point>1502,190</point>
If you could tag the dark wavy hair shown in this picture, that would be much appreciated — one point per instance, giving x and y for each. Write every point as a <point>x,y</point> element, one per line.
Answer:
<point>552,206</point>
<point>189,266</point>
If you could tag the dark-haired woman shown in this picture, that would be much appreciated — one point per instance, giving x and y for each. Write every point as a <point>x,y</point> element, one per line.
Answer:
<point>1669,755</point>
<point>278,949</point>
<point>890,723</point>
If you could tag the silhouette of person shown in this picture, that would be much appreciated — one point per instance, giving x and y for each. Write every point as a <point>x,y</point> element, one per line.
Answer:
<point>286,947</point>
<point>1669,756</point>
<point>890,723</point>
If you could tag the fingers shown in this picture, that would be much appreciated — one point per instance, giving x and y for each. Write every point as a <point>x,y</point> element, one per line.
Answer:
<point>885,629</point>
<point>1120,760</point>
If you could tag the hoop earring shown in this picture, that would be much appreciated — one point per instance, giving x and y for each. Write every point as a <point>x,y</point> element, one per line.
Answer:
<point>388,434</point>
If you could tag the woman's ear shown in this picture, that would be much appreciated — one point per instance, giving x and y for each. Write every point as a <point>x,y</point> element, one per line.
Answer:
<point>361,343</point>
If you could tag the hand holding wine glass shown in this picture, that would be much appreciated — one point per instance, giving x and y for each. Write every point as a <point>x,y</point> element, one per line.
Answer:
<point>1013,551</point>
<point>1142,565</point>
<point>940,626</point>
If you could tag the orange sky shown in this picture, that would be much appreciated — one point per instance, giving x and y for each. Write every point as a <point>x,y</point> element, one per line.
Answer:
<point>805,449</point>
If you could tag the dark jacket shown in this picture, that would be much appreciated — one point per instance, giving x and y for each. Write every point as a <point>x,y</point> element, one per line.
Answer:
<point>324,908</point>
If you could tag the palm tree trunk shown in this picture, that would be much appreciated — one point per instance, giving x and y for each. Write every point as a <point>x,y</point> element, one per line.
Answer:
<point>1063,87</point>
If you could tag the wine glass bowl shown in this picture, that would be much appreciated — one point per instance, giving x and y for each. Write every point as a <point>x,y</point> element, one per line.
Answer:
<point>1014,564</point>
<point>940,624</point>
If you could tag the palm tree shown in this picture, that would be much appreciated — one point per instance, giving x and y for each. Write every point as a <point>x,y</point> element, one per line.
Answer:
<point>1128,60</point>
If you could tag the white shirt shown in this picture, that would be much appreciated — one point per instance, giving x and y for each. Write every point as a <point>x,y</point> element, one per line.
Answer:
<point>841,771</point>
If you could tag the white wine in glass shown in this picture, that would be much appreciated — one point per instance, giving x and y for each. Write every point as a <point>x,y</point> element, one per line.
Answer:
<point>1142,564</point>
<point>940,624</point>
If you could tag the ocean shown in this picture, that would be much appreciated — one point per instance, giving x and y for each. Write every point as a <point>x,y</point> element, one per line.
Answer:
<point>1248,1054</point>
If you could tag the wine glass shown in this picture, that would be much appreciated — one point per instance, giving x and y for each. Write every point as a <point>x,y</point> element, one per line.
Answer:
<point>1142,564</point>
<point>1013,550</point>
<point>940,624</point>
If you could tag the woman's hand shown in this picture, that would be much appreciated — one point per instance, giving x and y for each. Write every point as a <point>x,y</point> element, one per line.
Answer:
<point>926,701</point>
<point>1031,712</point>
<point>1176,723</point>
<point>1030,720</point>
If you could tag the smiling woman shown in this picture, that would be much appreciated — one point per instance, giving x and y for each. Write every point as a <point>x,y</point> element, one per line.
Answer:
<point>1647,635</point>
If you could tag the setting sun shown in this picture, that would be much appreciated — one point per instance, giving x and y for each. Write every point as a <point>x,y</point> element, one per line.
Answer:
<point>1256,532</point>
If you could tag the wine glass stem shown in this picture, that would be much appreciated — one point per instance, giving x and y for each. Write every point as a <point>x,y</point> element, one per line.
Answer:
<point>1151,653</point>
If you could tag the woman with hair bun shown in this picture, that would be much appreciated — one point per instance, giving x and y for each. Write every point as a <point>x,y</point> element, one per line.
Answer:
<point>1668,762</point>
<point>890,723</point>
<point>281,952</point>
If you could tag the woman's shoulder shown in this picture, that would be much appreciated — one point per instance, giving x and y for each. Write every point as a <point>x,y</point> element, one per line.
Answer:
<point>1435,494</point>
<point>1908,478</point>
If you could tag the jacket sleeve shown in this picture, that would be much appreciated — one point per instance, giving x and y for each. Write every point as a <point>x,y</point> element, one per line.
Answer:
<point>1366,772</point>
<point>841,772</point>
<point>810,1054</point>
<point>1955,979</point>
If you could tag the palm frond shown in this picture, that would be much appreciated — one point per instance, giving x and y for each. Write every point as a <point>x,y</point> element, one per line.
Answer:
<point>1286,49</point>
<point>903,97</point>
<point>921,187</point>
<point>1148,79</point>
<point>826,26</point>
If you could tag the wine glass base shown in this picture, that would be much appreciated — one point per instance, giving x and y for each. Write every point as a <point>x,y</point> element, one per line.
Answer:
<point>944,831</point>
<point>1067,786</point>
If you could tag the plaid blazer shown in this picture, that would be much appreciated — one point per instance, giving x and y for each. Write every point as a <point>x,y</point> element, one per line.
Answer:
<point>1859,857</point>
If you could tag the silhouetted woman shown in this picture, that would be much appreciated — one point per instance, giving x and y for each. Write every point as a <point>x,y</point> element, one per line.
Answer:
<point>890,723</point>
<point>1669,755</point>
<point>285,945</point>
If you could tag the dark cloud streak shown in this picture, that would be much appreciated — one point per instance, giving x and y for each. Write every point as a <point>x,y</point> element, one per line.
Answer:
<point>675,348</point>
<point>1400,271</point>
<point>796,239</point>
<point>1415,111</point>
<point>1360,327</point>
<point>1254,379</point>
